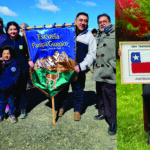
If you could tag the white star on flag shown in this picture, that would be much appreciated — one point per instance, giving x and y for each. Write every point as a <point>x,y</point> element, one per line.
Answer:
<point>136,57</point>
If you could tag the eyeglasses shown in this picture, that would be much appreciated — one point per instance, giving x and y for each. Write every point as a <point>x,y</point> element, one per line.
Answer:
<point>85,20</point>
<point>104,22</point>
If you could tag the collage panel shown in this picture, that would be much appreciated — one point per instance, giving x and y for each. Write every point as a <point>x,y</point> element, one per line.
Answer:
<point>58,75</point>
<point>133,84</point>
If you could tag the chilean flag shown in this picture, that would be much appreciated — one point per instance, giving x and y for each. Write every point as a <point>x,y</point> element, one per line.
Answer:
<point>140,62</point>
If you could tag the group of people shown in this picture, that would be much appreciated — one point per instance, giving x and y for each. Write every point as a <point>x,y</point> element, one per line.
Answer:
<point>14,71</point>
<point>98,50</point>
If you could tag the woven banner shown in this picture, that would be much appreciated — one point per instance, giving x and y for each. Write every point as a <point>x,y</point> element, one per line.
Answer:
<point>52,51</point>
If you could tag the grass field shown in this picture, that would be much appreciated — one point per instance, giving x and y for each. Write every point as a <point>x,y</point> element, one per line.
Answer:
<point>130,129</point>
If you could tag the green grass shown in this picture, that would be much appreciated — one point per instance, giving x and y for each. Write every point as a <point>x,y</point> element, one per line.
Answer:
<point>130,128</point>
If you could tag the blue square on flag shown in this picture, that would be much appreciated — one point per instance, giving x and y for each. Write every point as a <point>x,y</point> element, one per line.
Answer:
<point>135,57</point>
<point>140,62</point>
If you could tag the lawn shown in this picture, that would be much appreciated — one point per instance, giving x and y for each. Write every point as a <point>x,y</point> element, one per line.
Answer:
<point>130,131</point>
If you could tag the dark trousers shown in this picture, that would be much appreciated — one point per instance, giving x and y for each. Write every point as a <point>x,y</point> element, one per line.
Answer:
<point>22,100</point>
<point>7,97</point>
<point>146,97</point>
<point>78,93</point>
<point>106,95</point>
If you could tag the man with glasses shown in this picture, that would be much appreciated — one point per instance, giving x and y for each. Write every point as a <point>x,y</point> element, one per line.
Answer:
<point>105,72</point>
<point>85,55</point>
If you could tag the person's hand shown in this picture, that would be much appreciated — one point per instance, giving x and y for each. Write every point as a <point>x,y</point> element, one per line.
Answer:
<point>31,64</point>
<point>1,58</point>
<point>76,68</point>
<point>119,52</point>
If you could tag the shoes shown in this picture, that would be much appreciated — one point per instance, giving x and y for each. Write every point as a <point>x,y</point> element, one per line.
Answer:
<point>61,112</point>
<point>99,117</point>
<point>23,114</point>
<point>112,129</point>
<point>1,119</point>
<point>13,118</point>
<point>77,116</point>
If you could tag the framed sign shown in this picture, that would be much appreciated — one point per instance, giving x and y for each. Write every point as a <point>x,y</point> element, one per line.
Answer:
<point>135,62</point>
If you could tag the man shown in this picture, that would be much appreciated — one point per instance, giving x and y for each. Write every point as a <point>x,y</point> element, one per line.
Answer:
<point>85,55</point>
<point>105,72</point>
<point>94,32</point>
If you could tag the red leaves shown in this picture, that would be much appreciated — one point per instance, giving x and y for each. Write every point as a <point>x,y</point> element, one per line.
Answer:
<point>130,18</point>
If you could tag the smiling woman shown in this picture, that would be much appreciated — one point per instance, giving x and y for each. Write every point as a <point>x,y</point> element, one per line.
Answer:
<point>13,32</point>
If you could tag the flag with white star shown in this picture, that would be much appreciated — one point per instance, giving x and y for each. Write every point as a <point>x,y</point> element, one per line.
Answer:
<point>140,62</point>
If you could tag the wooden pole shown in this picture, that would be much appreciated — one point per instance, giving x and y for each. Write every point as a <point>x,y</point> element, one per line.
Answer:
<point>53,109</point>
<point>48,26</point>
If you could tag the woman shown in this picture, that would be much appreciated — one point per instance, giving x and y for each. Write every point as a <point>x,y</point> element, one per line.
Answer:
<point>20,48</point>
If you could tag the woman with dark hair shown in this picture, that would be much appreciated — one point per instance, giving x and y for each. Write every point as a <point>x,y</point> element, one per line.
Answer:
<point>20,48</point>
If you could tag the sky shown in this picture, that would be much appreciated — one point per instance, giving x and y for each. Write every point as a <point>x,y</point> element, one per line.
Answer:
<point>48,12</point>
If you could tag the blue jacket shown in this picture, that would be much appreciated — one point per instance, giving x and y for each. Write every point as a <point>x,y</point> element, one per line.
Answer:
<point>10,75</point>
<point>3,37</point>
<point>21,52</point>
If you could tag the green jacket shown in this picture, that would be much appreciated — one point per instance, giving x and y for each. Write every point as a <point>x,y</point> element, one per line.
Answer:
<point>105,64</point>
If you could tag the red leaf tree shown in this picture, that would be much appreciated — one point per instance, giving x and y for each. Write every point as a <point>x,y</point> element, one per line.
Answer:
<point>132,19</point>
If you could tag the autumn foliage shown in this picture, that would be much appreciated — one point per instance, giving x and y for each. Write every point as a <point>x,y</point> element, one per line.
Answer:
<point>132,19</point>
